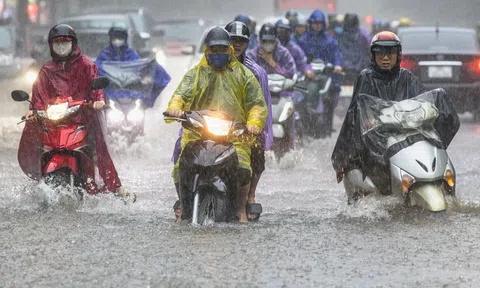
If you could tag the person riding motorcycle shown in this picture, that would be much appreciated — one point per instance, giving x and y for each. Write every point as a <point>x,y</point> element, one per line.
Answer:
<point>383,79</point>
<point>271,55</point>
<point>240,35</point>
<point>353,45</point>
<point>300,25</point>
<point>70,73</point>
<point>283,28</point>
<point>118,50</point>
<point>318,44</point>
<point>251,24</point>
<point>220,81</point>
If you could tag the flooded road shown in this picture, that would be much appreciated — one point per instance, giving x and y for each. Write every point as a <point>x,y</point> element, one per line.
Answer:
<point>307,236</point>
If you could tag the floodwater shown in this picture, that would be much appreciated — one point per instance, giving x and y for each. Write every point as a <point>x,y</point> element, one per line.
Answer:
<point>307,236</point>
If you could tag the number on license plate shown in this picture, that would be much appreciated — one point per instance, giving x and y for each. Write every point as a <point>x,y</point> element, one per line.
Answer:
<point>440,72</point>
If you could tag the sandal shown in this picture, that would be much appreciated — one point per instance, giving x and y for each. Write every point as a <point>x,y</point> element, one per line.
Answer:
<point>254,209</point>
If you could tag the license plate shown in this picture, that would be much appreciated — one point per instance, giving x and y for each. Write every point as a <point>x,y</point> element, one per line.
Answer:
<point>347,91</point>
<point>440,72</point>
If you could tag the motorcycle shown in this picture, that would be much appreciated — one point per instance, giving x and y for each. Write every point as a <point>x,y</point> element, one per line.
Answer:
<point>346,92</point>
<point>316,110</point>
<point>282,114</point>
<point>421,173</point>
<point>130,84</point>
<point>63,147</point>
<point>208,168</point>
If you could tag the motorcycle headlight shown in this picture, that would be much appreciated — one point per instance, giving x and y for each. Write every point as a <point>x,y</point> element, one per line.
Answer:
<point>137,114</point>
<point>31,76</point>
<point>57,111</point>
<point>286,112</point>
<point>115,115</point>
<point>218,127</point>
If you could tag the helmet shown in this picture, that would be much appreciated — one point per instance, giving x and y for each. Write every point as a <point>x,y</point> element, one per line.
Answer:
<point>238,29</point>
<point>290,14</point>
<point>217,36</point>
<point>302,20</point>
<point>268,32</point>
<point>351,21</point>
<point>283,23</point>
<point>241,18</point>
<point>62,30</point>
<point>386,40</point>
<point>118,31</point>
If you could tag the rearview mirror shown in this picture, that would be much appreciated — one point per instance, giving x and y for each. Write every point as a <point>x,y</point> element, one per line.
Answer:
<point>20,96</point>
<point>188,50</point>
<point>100,83</point>
<point>158,32</point>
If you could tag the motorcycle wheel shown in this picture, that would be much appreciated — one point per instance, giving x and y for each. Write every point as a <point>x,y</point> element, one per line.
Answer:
<point>64,178</point>
<point>212,209</point>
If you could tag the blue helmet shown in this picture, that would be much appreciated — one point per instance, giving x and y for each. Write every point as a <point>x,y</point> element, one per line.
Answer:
<point>242,18</point>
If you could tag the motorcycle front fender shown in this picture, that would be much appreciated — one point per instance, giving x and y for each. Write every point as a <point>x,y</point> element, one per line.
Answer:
<point>61,161</point>
<point>428,196</point>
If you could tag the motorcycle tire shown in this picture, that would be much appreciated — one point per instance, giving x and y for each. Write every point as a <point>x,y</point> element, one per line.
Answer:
<point>213,207</point>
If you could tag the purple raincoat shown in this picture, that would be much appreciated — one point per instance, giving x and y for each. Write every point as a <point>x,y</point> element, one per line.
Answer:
<point>285,62</point>
<point>299,56</point>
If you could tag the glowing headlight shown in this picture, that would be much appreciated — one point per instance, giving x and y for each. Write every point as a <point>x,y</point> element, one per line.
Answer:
<point>287,111</point>
<point>407,181</point>
<point>31,76</point>
<point>160,57</point>
<point>137,114</point>
<point>58,111</point>
<point>449,176</point>
<point>218,127</point>
<point>115,115</point>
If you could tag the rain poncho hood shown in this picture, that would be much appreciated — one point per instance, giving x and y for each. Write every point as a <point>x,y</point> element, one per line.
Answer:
<point>318,16</point>
<point>234,90</point>
<point>71,78</point>
<point>355,49</point>
<point>350,151</point>
<point>125,79</point>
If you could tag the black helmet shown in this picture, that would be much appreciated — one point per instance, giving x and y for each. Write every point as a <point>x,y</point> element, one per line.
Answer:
<point>351,21</point>
<point>118,31</point>
<point>238,29</point>
<point>62,30</point>
<point>291,14</point>
<point>268,32</point>
<point>217,36</point>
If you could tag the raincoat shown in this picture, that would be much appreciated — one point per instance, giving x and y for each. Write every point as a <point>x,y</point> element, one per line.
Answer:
<point>285,62</point>
<point>321,45</point>
<point>123,54</point>
<point>350,152</point>
<point>125,79</point>
<point>70,78</point>
<point>298,55</point>
<point>233,90</point>
<point>355,49</point>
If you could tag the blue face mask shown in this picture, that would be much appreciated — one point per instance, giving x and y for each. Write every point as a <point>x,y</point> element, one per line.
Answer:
<point>218,60</point>
<point>338,30</point>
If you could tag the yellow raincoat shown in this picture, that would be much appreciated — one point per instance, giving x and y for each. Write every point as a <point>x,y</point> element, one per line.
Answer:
<point>234,90</point>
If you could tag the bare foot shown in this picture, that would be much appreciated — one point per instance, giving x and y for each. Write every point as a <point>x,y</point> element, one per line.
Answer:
<point>243,218</point>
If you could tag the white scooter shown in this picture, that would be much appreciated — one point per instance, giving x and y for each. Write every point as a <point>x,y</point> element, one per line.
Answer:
<point>421,173</point>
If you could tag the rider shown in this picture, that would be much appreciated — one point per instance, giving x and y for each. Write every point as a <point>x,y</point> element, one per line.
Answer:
<point>70,73</point>
<point>283,34</point>
<point>271,55</point>
<point>240,35</point>
<point>220,80</point>
<point>353,45</point>
<point>118,50</point>
<point>383,79</point>
<point>300,25</point>
<point>251,24</point>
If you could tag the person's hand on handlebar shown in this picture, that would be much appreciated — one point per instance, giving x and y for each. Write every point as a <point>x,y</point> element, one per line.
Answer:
<point>310,74</point>
<point>29,114</point>
<point>97,105</point>
<point>337,69</point>
<point>252,129</point>
<point>174,113</point>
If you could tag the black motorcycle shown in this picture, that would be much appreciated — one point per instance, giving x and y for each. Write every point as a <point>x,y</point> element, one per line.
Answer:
<point>209,186</point>
<point>317,108</point>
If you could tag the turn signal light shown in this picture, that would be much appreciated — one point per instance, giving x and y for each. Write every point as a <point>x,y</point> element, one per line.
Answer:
<point>408,64</point>
<point>449,178</point>
<point>407,182</point>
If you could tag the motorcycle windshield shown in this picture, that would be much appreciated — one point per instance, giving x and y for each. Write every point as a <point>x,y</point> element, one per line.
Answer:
<point>132,79</point>
<point>386,127</point>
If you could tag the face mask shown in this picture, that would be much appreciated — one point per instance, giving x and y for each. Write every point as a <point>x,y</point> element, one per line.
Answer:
<point>338,30</point>
<point>118,43</point>
<point>268,47</point>
<point>62,48</point>
<point>218,60</point>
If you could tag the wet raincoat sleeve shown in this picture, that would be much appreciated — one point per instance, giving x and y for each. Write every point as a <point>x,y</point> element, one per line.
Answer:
<point>162,78</point>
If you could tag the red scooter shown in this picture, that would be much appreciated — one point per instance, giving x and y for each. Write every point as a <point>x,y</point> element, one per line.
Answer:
<point>61,137</point>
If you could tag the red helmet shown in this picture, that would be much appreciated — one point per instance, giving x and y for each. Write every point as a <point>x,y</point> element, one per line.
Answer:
<point>385,40</point>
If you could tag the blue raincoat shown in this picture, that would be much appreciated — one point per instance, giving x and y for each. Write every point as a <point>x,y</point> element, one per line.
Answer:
<point>355,49</point>
<point>123,53</point>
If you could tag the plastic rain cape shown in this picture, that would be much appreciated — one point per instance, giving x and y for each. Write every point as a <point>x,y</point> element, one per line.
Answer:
<point>234,90</point>
<point>386,127</point>
<point>125,79</point>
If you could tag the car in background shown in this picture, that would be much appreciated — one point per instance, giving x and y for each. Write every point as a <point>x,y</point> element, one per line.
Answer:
<point>446,57</point>
<point>179,33</point>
